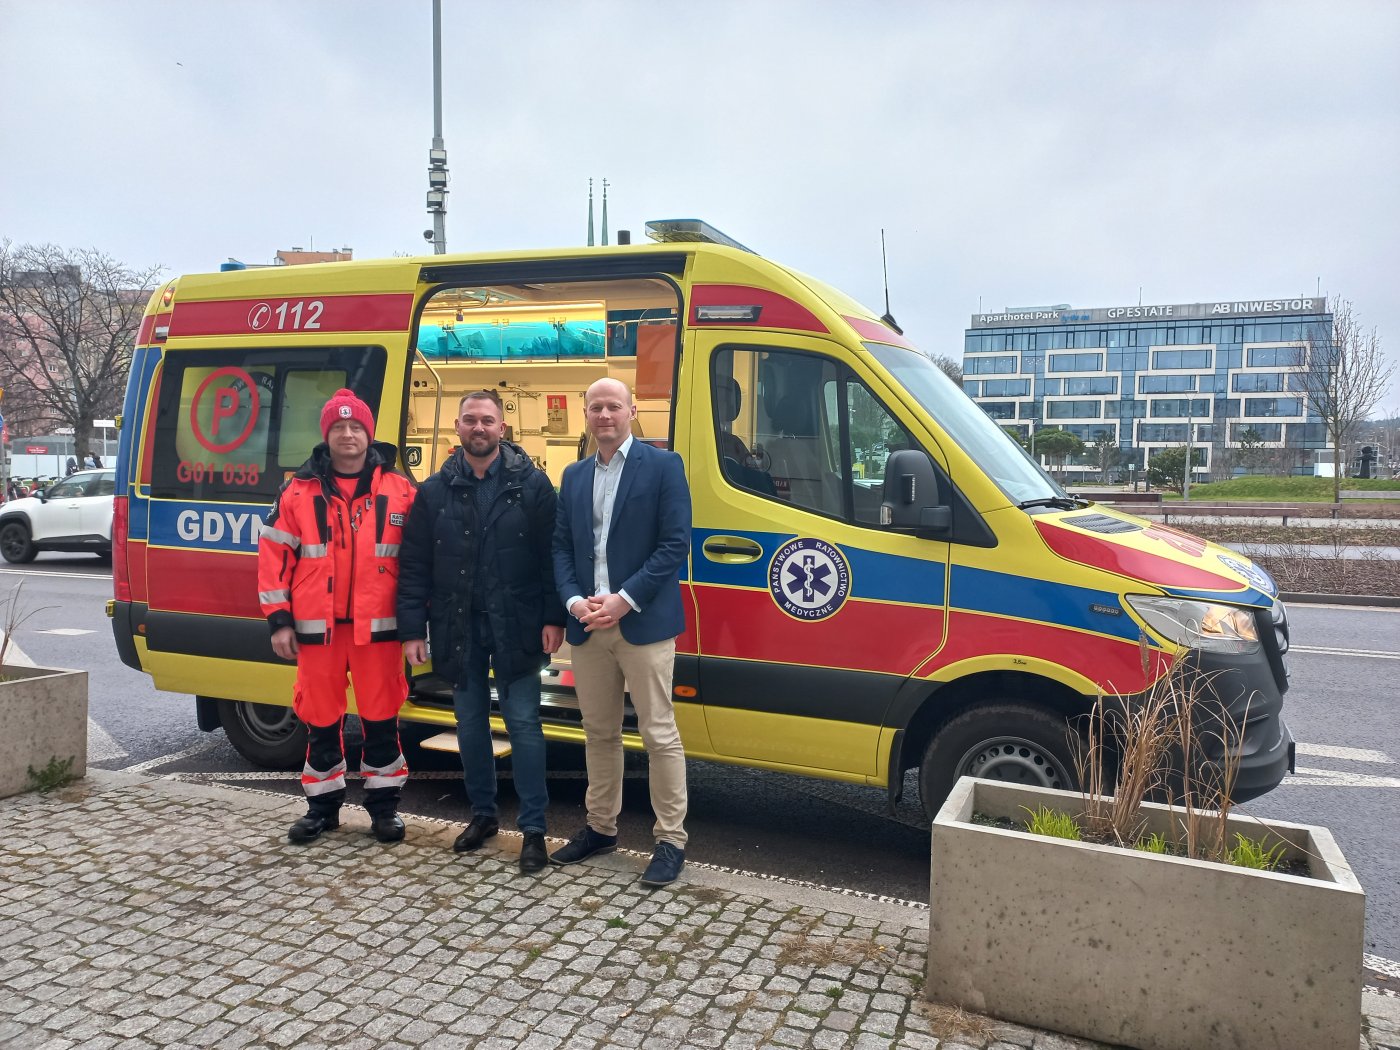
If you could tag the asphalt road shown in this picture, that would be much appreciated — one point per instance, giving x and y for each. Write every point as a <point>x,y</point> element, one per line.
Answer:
<point>1340,708</point>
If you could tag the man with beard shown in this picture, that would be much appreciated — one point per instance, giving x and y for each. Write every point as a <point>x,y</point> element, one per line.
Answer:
<point>476,578</point>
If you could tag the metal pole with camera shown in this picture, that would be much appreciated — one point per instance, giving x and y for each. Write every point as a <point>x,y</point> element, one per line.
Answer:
<point>437,155</point>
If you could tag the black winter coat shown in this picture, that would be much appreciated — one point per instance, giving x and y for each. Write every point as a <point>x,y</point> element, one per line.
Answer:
<point>444,542</point>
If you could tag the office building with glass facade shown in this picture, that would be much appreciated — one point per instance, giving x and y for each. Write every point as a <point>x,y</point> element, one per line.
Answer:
<point>1226,372</point>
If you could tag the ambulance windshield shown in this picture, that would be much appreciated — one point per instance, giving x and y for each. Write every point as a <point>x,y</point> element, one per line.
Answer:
<point>1000,457</point>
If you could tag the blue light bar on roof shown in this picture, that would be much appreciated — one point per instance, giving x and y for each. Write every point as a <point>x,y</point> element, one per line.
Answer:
<point>671,231</point>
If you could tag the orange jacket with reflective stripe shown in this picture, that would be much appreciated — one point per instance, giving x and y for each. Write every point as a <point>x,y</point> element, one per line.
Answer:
<point>324,561</point>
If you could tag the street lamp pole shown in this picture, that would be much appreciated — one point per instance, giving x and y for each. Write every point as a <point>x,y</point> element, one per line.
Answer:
<point>437,154</point>
<point>1186,477</point>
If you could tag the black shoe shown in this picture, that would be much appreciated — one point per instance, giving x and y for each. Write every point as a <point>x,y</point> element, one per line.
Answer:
<point>533,856</point>
<point>478,831</point>
<point>387,828</point>
<point>587,843</point>
<point>665,867</point>
<point>310,827</point>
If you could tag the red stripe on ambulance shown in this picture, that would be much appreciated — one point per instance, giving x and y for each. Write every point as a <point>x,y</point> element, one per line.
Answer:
<point>877,332</point>
<point>1140,565</point>
<point>1113,663</point>
<point>274,316</point>
<point>861,636</point>
<point>209,582</point>
<point>773,310</point>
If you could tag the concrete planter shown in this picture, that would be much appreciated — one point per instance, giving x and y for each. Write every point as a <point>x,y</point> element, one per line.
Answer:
<point>43,716</point>
<point>1141,949</point>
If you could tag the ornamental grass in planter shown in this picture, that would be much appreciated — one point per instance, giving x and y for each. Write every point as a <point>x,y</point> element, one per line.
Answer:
<point>1169,950</point>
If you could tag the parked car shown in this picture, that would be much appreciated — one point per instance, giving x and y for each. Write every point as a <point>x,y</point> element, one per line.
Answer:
<point>74,514</point>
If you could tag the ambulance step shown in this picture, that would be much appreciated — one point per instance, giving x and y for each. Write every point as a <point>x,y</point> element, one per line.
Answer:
<point>500,746</point>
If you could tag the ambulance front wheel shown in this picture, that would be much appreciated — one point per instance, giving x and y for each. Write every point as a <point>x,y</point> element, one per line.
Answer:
<point>1019,743</point>
<point>265,734</point>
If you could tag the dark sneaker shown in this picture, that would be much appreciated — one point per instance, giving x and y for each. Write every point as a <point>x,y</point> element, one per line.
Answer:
<point>587,843</point>
<point>387,828</point>
<point>533,856</point>
<point>310,827</point>
<point>478,831</point>
<point>665,867</point>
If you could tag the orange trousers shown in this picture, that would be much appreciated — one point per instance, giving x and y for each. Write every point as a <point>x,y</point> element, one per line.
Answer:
<point>323,672</point>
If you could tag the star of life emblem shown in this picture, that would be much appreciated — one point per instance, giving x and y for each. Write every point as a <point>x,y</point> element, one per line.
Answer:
<point>809,579</point>
<point>1254,576</point>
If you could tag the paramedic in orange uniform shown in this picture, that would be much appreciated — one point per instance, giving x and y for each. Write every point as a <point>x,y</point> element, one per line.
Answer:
<point>327,581</point>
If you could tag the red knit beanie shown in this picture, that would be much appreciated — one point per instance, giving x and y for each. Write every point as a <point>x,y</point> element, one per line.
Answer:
<point>345,405</point>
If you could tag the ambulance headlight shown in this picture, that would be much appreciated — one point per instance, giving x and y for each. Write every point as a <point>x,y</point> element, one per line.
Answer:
<point>1208,626</point>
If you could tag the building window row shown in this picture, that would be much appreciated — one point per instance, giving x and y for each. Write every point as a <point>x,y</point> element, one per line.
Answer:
<point>1289,357</point>
<point>1203,408</point>
<point>1076,363</point>
<point>1184,334</point>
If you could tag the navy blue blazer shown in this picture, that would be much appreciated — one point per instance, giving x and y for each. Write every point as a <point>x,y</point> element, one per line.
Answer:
<point>648,541</point>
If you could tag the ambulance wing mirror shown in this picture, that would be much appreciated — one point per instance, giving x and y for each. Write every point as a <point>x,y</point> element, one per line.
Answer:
<point>912,500</point>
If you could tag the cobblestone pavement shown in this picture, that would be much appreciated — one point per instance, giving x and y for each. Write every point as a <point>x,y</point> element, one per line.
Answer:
<point>141,912</point>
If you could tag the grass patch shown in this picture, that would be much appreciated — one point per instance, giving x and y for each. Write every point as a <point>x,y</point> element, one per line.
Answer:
<point>54,775</point>
<point>616,923</point>
<point>1250,853</point>
<point>953,1022</point>
<point>1154,843</point>
<point>1266,489</point>
<point>1045,821</point>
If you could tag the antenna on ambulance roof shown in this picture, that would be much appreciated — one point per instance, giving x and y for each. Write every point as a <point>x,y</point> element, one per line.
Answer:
<point>884,268</point>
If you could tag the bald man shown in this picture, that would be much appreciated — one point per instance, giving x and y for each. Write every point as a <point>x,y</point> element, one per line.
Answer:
<point>621,537</point>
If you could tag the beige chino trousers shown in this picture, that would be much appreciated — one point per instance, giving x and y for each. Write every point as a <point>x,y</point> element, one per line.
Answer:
<point>603,667</point>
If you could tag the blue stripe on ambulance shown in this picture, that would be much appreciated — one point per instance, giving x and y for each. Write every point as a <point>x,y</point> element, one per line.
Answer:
<point>915,581</point>
<point>874,575</point>
<point>144,360</point>
<point>1056,604</point>
<point>232,527</point>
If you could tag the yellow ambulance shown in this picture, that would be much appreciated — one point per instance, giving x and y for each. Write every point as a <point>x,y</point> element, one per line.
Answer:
<point>880,579</point>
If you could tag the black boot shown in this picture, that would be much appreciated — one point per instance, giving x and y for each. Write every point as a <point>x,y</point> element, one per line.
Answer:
<point>322,814</point>
<point>383,760</point>
<point>382,804</point>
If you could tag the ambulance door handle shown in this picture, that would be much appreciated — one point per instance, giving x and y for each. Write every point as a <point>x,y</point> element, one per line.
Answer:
<point>732,549</point>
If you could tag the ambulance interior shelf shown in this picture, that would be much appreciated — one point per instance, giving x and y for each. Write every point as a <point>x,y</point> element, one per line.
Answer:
<point>540,346</point>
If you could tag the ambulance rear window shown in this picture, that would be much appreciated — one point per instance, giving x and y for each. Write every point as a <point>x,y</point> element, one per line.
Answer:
<point>232,425</point>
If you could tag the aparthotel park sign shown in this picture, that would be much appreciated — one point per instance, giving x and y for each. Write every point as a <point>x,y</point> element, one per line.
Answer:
<point>1174,312</point>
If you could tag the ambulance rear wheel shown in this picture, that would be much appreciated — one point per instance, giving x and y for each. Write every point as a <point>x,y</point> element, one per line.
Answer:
<point>266,735</point>
<point>1018,743</point>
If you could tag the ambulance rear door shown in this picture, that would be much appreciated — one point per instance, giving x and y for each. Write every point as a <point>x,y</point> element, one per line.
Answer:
<point>249,360</point>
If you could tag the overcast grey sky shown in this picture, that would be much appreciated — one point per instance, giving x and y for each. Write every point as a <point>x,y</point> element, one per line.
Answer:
<point>1016,153</point>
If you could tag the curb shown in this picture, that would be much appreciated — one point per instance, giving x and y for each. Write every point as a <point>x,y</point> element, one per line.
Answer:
<point>1380,601</point>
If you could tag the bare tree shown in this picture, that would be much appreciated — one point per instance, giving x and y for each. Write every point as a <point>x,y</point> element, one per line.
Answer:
<point>950,368</point>
<point>68,321</point>
<point>1104,453</point>
<point>1343,377</point>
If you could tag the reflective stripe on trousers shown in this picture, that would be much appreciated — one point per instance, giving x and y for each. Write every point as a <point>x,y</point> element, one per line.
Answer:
<point>315,782</point>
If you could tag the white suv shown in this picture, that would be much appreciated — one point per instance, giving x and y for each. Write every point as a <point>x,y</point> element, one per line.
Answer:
<point>74,514</point>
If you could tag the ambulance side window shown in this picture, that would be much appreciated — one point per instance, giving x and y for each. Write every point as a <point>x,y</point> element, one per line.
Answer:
<point>799,429</point>
<point>773,427</point>
<point>231,425</point>
<point>873,433</point>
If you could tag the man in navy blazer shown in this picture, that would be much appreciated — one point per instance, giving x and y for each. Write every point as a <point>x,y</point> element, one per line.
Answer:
<point>621,538</point>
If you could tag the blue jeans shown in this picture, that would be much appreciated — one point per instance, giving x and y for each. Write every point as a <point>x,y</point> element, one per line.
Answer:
<point>520,707</point>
